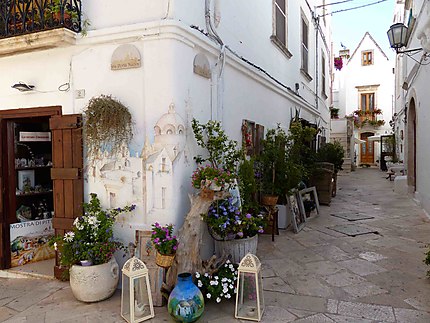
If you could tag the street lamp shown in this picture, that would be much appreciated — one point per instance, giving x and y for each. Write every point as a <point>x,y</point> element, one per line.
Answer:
<point>397,35</point>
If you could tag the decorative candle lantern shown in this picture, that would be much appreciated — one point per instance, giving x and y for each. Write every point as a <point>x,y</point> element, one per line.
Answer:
<point>136,298</point>
<point>249,291</point>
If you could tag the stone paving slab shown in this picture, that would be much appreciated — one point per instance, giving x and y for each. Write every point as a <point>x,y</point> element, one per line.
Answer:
<point>353,229</point>
<point>352,216</point>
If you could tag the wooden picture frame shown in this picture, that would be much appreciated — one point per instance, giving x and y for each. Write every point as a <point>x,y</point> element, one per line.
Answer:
<point>25,179</point>
<point>298,219</point>
<point>312,191</point>
<point>145,251</point>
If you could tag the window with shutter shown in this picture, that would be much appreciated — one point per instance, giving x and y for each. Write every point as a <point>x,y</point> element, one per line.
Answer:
<point>280,26</point>
<point>281,21</point>
<point>305,48</point>
<point>367,58</point>
<point>323,77</point>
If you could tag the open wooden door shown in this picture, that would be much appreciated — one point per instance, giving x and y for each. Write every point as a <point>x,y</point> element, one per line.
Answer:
<point>367,149</point>
<point>66,174</point>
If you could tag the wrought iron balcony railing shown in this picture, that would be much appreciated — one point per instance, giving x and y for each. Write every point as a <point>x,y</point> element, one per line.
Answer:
<point>19,17</point>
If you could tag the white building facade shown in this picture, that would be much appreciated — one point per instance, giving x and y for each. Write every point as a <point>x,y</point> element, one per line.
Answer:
<point>363,89</point>
<point>412,97</point>
<point>170,61</point>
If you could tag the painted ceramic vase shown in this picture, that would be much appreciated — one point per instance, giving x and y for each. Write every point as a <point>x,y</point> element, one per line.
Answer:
<point>186,303</point>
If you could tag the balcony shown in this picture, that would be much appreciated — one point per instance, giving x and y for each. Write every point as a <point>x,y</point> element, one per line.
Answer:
<point>27,25</point>
<point>367,118</point>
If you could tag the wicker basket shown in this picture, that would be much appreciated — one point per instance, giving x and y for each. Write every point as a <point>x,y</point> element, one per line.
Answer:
<point>164,261</point>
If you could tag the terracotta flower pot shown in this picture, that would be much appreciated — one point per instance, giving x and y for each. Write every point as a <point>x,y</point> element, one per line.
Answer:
<point>269,200</point>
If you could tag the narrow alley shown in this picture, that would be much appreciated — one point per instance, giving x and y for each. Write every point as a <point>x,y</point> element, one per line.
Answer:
<point>318,275</point>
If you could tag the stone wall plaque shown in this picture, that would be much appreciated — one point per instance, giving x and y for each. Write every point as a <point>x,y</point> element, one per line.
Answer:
<point>202,66</point>
<point>125,57</point>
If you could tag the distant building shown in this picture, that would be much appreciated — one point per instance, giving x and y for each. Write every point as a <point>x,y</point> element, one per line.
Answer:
<point>363,91</point>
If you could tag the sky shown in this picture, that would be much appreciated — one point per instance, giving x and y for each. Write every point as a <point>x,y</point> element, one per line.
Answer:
<point>349,27</point>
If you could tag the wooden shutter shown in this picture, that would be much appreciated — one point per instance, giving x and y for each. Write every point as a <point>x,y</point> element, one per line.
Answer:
<point>66,173</point>
<point>259,136</point>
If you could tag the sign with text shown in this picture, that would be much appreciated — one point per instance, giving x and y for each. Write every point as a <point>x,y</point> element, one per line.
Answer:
<point>29,241</point>
<point>34,136</point>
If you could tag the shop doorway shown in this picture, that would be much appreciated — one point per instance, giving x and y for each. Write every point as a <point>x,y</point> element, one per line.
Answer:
<point>40,177</point>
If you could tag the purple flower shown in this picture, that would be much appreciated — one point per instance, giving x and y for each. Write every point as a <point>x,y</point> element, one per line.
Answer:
<point>156,240</point>
<point>175,247</point>
<point>157,225</point>
<point>240,234</point>
<point>248,216</point>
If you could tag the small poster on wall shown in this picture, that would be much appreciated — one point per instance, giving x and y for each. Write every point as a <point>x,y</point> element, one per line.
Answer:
<point>29,242</point>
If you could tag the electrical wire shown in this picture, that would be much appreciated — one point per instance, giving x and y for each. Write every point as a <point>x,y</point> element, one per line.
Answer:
<point>353,8</point>
<point>333,3</point>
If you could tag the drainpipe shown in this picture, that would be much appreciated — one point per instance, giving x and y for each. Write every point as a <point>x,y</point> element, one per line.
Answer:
<point>316,61</point>
<point>217,72</point>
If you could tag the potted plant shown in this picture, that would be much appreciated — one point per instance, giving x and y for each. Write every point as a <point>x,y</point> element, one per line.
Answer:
<point>60,11</point>
<point>334,113</point>
<point>234,232</point>
<point>220,284</point>
<point>332,153</point>
<point>222,152</point>
<point>273,166</point>
<point>88,251</point>
<point>165,243</point>
<point>108,126</point>
<point>213,178</point>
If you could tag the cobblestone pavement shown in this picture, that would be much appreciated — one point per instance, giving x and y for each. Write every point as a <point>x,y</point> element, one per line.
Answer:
<point>318,275</point>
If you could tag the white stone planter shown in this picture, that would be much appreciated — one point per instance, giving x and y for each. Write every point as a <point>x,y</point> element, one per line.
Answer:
<point>237,248</point>
<point>94,283</point>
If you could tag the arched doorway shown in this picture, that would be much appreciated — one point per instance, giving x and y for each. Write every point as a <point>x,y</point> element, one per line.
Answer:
<point>367,149</point>
<point>412,145</point>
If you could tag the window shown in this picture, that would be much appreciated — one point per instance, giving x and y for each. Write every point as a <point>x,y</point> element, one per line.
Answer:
<point>305,49</point>
<point>281,21</point>
<point>323,79</point>
<point>367,102</point>
<point>163,197</point>
<point>367,106</point>
<point>367,58</point>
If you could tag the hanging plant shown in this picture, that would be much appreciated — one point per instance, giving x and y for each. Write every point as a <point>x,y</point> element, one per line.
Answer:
<point>108,125</point>
<point>338,63</point>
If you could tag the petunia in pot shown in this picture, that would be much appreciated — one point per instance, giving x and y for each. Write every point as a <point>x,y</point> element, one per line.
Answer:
<point>165,243</point>
<point>88,251</point>
<point>235,232</point>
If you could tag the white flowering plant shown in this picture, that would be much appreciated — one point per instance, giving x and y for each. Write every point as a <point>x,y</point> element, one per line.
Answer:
<point>220,285</point>
<point>91,237</point>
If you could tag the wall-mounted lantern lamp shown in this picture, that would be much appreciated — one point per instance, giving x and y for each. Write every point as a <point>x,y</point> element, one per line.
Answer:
<point>397,35</point>
<point>23,87</point>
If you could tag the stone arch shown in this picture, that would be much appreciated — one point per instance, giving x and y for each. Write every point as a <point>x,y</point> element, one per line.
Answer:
<point>181,129</point>
<point>412,144</point>
<point>169,129</point>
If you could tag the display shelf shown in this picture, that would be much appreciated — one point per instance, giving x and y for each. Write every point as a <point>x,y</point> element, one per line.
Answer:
<point>34,194</point>
<point>33,167</point>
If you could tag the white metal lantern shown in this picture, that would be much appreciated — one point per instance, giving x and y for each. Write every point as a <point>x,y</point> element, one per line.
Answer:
<point>136,298</point>
<point>249,291</point>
